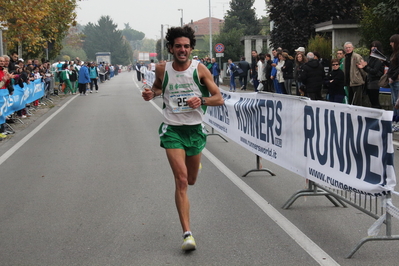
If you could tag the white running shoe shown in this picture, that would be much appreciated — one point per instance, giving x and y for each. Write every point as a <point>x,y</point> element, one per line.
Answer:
<point>188,243</point>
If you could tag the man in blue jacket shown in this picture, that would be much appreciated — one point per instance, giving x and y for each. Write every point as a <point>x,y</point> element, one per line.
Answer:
<point>84,79</point>
<point>215,71</point>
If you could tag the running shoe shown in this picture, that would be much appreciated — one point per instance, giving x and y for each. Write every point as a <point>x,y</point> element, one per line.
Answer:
<point>188,243</point>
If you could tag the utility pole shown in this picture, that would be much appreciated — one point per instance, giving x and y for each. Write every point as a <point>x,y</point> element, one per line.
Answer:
<point>162,44</point>
<point>181,19</point>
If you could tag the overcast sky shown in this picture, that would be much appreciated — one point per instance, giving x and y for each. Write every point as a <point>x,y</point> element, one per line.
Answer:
<point>148,15</point>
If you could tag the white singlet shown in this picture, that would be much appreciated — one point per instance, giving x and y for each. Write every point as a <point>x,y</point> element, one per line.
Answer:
<point>178,87</point>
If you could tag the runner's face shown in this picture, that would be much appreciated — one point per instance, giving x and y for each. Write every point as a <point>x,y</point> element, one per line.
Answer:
<point>181,49</point>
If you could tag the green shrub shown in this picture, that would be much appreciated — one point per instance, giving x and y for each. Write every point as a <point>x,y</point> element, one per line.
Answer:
<point>322,45</point>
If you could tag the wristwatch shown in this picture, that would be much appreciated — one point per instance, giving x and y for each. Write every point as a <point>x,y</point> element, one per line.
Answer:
<point>202,101</point>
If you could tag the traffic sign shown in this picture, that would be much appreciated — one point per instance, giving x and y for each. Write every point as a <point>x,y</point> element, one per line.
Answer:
<point>219,48</point>
<point>219,54</point>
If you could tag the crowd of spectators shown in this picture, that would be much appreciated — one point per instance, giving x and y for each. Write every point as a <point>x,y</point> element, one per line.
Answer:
<point>16,71</point>
<point>347,78</point>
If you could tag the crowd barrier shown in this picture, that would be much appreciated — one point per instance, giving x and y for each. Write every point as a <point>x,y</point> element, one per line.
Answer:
<point>149,77</point>
<point>18,100</point>
<point>345,151</point>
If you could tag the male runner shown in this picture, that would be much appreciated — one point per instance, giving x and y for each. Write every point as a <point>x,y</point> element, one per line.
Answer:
<point>187,88</point>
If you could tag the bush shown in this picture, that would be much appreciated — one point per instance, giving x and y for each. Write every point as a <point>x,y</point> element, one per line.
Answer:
<point>322,45</point>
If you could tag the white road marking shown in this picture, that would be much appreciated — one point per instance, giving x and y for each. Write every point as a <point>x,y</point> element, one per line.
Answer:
<point>19,144</point>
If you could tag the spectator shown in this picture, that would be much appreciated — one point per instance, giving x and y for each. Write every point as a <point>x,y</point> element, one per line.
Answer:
<point>300,50</point>
<point>354,76</point>
<point>138,73</point>
<point>341,57</point>
<point>112,72</point>
<point>93,73</point>
<point>231,68</point>
<point>4,81</point>
<point>83,80</point>
<point>312,76</point>
<point>254,71</point>
<point>324,62</point>
<point>215,71</point>
<point>300,60</point>
<point>279,77</point>
<point>73,78</point>
<point>243,77</point>
<point>13,62</point>
<point>116,68</point>
<point>208,64</point>
<point>103,71</point>
<point>6,62</point>
<point>64,75</point>
<point>393,74</point>
<point>273,75</point>
<point>334,82</point>
<point>261,73</point>
<point>375,69</point>
<point>288,72</point>
<point>268,71</point>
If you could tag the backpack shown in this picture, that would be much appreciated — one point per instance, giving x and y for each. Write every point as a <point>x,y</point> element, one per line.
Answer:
<point>237,70</point>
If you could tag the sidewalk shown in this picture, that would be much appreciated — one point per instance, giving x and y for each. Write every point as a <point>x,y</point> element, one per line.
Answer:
<point>39,111</point>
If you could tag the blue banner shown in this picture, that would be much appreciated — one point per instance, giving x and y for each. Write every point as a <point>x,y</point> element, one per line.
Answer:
<point>21,96</point>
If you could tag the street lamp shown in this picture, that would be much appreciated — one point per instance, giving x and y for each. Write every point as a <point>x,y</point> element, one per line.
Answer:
<point>181,20</point>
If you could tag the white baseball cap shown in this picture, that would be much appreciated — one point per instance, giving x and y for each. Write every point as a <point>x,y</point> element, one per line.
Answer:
<point>300,49</point>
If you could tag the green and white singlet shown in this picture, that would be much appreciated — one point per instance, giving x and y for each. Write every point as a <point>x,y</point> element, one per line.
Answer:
<point>178,87</point>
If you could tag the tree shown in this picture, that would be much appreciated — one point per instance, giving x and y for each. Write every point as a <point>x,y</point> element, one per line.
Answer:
<point>378,22</point>
<point>104,37</point>
<point>242,16</point>
<point>131,34</point>
<point>36,24</point>
<point>240,21</point>
<point>231,42</point>
<point>294,20</point>
<point>72,44</point>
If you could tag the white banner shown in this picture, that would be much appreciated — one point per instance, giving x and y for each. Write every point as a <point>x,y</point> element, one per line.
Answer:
<point>337,145</point>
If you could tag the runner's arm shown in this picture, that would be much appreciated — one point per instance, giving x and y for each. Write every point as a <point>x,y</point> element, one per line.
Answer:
<point>206,78</point>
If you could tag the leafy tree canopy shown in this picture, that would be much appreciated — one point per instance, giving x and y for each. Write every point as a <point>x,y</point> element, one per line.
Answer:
<point>131,34</point>
<point>294,20</point>
<point>37,23</point>
<point>242,16</point>
<point>104,37</point>
<point>378,22</point>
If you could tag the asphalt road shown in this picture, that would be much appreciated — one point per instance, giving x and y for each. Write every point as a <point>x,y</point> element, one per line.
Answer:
<point>88,184</point>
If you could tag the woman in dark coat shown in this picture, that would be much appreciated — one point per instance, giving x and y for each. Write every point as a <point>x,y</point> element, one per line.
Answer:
<point>334,81</point>
<point>375,69</point>
<point>288,72</point>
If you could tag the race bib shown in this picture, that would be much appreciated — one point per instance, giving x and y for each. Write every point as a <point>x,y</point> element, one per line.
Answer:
<point>178,102</point>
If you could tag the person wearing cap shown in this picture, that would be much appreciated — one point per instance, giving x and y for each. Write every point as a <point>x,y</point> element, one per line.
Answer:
<point>300,50</point>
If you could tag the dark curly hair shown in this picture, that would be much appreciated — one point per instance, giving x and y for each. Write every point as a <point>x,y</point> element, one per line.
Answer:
<point>177,32</point>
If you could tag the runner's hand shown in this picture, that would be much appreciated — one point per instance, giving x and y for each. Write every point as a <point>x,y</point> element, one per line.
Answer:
<point>147,94</point>
<point>194,102</point>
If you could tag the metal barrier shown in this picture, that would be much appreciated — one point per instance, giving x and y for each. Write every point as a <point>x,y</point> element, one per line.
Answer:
<point>380,208</point>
